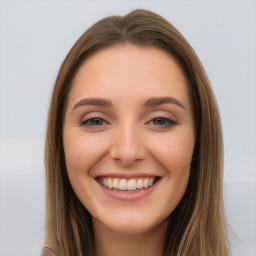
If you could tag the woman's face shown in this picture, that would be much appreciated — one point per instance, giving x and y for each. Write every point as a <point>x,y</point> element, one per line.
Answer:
<point>128,137</point>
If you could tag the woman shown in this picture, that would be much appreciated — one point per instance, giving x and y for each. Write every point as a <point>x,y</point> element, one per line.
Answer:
<point>134,146</point>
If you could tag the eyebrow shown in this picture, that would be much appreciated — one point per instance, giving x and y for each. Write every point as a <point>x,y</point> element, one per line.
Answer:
<point>162,100</point>
<point>93,101</point>
<point>149,103</point>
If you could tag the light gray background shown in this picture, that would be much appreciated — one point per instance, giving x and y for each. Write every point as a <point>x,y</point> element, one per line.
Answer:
<point>36,35</point>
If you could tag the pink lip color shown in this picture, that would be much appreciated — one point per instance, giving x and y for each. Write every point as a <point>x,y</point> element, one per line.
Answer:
<point>126,176</point>
<point>129,196</point>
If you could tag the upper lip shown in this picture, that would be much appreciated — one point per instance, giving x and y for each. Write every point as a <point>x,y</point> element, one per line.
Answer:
<point>127,176</point>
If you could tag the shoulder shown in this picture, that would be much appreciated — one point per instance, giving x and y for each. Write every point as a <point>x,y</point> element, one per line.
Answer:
<point>47,251</point>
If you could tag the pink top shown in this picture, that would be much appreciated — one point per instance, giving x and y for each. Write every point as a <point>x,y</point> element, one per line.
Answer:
<point>48,252</point>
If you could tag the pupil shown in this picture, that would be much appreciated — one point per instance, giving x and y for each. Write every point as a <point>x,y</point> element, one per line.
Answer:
<point>96,121</point>
<point>159,121</point>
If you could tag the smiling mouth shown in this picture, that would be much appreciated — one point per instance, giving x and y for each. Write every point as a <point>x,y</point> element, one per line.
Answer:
<point>127,185</point>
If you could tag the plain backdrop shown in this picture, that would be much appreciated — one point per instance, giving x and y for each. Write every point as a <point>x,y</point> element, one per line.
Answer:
<point>36,35</point>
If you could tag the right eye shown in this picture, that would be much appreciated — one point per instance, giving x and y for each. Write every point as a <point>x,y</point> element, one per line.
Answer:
<point>96,121</point>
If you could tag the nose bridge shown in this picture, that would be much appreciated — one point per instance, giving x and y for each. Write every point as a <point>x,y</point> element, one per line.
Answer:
<point>128,144</point>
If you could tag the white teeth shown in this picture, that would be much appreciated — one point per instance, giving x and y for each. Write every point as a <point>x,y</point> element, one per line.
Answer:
<point>109,183</point>
<point>127,184</point>
<point>131,185</point>
<point>140,183</point>
<point>146,183</point>
<point>123,184</point>
<point>115,183</point>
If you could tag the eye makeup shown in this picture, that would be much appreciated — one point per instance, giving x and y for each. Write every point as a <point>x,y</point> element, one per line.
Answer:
<point>95,121</point>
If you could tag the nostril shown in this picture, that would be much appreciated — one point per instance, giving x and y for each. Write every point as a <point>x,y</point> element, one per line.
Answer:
<point>128,146</point>
<point>127,156</point>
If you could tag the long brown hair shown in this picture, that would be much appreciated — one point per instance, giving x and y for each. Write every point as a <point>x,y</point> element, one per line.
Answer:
<point>197,224</point>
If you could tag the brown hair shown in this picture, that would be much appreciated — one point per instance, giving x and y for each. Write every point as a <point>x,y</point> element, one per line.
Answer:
<point>197,224</point>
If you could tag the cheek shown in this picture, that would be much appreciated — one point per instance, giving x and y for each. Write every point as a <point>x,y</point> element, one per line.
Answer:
<point>175,150</point>
<point>175,154</point>
<point>81,151</point>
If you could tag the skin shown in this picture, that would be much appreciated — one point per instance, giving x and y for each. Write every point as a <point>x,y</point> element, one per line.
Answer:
<point>129,138</point>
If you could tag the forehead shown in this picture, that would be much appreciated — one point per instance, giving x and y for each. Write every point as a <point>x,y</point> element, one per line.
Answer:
<point>130,70</point>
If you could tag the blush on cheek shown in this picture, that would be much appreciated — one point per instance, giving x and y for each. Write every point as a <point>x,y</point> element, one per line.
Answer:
<point>173,158</point>
<point>81,153</point>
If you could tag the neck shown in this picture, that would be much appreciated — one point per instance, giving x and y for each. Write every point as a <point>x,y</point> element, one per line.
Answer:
<point>110,242</point>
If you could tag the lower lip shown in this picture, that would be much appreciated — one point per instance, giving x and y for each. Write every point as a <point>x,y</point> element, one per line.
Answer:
<point>129,196</point>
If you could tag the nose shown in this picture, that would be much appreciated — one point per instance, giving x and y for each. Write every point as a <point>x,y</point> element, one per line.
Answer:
<point>127,146</point>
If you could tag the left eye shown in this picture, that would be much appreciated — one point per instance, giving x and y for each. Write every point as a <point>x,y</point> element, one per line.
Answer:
<point>162,121</point>
<point>94,122</point>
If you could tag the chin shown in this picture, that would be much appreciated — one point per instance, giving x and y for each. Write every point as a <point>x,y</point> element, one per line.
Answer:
<point>130,222</point>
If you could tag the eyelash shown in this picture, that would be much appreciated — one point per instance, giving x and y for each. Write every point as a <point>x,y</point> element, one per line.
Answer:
<point>88,122</point>
<point>167,122</point>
